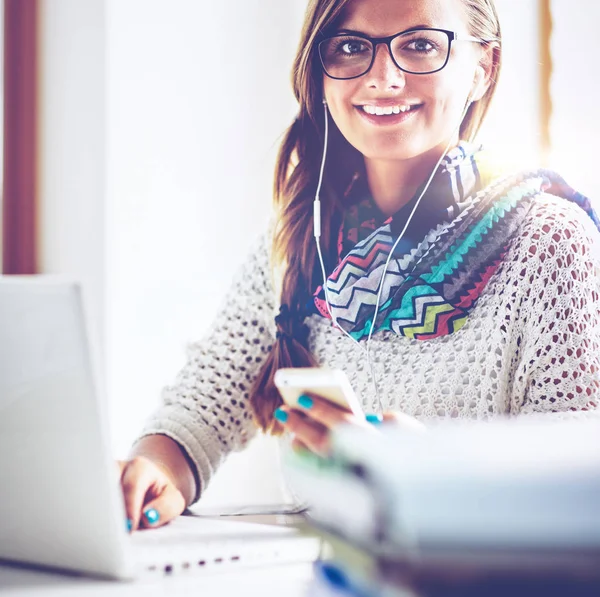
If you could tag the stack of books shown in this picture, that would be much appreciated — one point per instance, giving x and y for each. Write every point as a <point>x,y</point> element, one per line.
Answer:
<point>512,501</point>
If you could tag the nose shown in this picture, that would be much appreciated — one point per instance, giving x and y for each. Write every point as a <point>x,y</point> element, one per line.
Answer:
<point>384,73</point>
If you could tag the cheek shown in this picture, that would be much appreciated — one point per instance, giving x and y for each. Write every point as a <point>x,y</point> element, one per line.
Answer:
<point>448,94</point>
<point>457,85</point>
<point>339,95</point>
<point>446,108</point>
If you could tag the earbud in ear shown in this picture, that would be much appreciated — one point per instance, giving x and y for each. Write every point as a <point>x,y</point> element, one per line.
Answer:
<point>324,101</point>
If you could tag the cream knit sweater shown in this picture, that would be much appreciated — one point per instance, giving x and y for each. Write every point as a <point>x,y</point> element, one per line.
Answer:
<point>531,345</point>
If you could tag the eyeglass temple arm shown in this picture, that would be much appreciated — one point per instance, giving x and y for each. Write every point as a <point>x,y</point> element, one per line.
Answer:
<point>463,37</point>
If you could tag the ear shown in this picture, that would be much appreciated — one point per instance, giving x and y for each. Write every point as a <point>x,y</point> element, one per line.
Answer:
<point>478,88</point>
<point>485,72</point>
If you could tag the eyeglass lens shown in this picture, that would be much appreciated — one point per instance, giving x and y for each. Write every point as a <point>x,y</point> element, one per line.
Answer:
<point>420,51</point>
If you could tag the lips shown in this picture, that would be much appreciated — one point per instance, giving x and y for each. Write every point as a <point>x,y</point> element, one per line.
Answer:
<point>386,114</point>
<point>387,110</point>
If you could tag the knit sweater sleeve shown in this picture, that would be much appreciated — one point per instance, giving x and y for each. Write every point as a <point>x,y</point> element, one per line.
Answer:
<point>559,366</point>
<point>207,410</point>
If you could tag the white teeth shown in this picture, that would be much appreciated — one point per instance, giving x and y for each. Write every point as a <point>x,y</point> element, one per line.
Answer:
<point>387,111</point>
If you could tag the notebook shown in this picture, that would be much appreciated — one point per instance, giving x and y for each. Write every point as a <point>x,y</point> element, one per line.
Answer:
<point>62,505</point>
<point>508,494</point>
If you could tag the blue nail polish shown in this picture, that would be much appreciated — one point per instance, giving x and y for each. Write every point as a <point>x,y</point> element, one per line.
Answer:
<point>281,415</point>
<point>129,525</point>
<point>374,418</point>
<point>152,515</point>
<point>334,577</point>
<point>305,401</point>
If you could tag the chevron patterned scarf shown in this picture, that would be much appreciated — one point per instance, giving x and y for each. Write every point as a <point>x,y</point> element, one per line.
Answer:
<point>454,244</point>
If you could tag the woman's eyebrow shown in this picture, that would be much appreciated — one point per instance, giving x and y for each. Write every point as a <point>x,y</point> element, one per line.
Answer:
<point>346,30</point>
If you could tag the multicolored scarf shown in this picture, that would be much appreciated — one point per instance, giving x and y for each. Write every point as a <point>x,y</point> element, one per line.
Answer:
<point>454,244</point>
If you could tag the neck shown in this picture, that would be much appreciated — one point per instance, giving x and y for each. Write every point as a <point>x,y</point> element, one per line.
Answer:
<point>393,183</point>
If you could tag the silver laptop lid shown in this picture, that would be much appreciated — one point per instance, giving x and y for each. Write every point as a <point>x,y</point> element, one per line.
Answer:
<point>61,503</point>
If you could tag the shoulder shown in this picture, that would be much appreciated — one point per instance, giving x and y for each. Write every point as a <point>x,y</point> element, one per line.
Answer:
<point>554,229</point>
<point>252,275</point>
<point>562,217</point>
<point>553,258</point>
<point>260,252</point>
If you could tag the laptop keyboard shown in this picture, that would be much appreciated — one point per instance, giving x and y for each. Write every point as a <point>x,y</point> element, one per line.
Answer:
<point>192,544</point>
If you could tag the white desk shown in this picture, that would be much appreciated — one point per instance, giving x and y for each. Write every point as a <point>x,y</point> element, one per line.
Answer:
<point>284,580</point>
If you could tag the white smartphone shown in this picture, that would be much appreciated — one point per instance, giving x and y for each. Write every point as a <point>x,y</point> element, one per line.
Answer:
<point>331,384</point>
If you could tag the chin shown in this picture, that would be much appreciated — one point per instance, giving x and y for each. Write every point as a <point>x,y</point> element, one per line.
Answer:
<point>396,149</point>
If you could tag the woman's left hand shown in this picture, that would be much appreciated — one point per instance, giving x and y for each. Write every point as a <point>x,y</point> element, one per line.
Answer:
<point>313,419</point>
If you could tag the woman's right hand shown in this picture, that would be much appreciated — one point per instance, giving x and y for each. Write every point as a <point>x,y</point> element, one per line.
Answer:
<point>151,496</point>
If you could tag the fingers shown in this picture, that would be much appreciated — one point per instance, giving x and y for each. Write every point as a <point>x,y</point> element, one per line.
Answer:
<point>136,479</point>
<point>312,420</point>
<point>299,446</point>
<point>151,498</point>
<point>307,432</point>
<point>324,411</point>
<point>167,506</point>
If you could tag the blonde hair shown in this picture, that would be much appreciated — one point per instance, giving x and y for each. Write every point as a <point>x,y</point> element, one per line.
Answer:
<point>296,174</point>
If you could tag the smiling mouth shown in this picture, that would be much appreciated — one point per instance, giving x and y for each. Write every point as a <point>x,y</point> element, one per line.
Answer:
<point>388,110</point>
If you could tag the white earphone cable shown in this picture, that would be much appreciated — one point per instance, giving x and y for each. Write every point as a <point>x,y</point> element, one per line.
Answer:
<point>377,404</point>
<point>317,229</point>
<point>317,234</point>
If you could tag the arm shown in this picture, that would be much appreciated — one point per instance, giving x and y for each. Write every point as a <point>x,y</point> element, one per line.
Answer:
<point>559,368</point>
<point>206,412</point>
<point>168,455</point>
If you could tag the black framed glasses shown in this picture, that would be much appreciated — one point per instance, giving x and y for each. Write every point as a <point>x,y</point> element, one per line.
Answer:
<point>418,51</point>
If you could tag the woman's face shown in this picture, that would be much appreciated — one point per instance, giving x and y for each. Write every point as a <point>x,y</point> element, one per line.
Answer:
<point>436,101</point>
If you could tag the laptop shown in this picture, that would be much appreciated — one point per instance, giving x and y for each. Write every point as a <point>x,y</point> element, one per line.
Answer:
<point>60,496</point>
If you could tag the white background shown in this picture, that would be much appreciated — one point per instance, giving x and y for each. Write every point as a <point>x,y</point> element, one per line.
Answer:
<point>576,93</point>
<point>160,123</point>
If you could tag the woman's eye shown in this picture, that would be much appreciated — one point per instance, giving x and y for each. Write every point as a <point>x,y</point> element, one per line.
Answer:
<point>421,45</point>
<point>352,47</point>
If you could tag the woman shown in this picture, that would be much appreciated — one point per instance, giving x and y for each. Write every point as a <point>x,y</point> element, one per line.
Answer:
<point>448,287</point>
